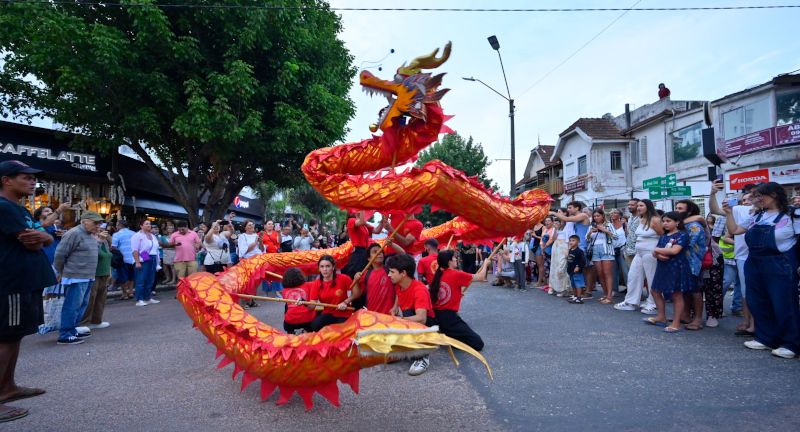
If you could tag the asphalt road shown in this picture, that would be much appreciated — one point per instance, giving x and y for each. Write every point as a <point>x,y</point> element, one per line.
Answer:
<point>557,367</point>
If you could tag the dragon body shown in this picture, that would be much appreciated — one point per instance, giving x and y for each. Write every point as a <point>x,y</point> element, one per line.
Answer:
<point>358,176</point>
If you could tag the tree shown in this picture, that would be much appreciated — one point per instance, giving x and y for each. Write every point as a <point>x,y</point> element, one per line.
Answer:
<point>463,155</point>
<point>221,98</point>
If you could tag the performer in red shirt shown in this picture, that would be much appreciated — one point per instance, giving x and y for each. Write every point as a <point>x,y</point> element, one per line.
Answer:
<point>408,234</point>
<point>296,317</point>
<point>427,265</point>
<point>446,290</point>
<point>413,299</point>
<point>360,235</point>
<point>378,288</point>
<point>331,288</point>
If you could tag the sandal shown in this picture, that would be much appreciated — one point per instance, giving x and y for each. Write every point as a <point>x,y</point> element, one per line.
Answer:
<point>672,330</point>
<point>254,304</point>
<point>606,301</point>
<point>246,307</point>
<point>13,414</point>
<point>26,393</point>
<point>122,298</point>
<point>694,326</point>
<point>652,321</point>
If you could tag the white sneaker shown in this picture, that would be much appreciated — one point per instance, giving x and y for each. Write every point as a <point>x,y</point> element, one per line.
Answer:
<point>141,303</point>
<point>419,367</point>
<point>551,291</point>
<point>624,306</point>
<point>151,301</point>
<point>756,345</point>
<point>784,352</point>
<point>649,311</point>
<point>83,330</point>
<point>561,294</point>
<point>712,322</point>
<point>103,324</point>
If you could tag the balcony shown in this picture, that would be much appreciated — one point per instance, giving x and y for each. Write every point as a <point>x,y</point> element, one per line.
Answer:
<point>555,187</point>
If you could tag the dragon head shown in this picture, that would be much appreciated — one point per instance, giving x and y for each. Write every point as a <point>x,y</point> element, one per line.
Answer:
<point>410,90</point>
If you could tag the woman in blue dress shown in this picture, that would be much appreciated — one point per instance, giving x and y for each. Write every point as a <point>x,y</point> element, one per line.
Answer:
<point>673,272</point>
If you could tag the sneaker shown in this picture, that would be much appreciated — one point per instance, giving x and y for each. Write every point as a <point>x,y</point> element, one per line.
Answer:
<point>80,335</point>
<point>784,352</point>
<point>551,291</point>
<point>151,301</point>
<point>624,306</point>
<point>575,300</point>
<point>756,345</point>
<point>72,340</point>
<point>522,290</point>
<point>83,329</point>
<point>649,311</point>
<point>712,322</point>
<point>419,366</point>
<point>561,294</point>
<point>141,303</point>
<point>103,324</point>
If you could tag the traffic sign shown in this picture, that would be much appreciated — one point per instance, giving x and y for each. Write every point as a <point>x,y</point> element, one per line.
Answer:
<point>671,180</point>
<point>652,183</point>
<point>680,192</point>
<point>655,193</point>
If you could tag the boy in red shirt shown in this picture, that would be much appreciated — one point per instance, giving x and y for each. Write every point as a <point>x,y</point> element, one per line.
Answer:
<point>377,287</point>
<point>296,317</point>
<point>446,290</point>
<point>413,299</point>
<point>408,234</point>
<point>427,266</point>
<point>360,236</point>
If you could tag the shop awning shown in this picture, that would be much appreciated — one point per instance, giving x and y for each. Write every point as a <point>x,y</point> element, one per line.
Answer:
<point>156,207</point>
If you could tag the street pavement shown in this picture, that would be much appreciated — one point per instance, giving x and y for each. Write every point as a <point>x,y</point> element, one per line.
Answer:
<point>557,367</point>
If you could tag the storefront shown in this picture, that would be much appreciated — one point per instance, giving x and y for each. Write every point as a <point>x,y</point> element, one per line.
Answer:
<point>80,178</point>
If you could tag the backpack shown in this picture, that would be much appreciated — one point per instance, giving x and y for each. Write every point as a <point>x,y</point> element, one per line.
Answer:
<point>117,260</point>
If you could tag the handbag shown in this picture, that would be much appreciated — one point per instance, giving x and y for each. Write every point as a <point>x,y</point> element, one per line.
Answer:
<point>549,249</point>
<point>590,250</point>
<point>708,260</point>
<point>52,313</point>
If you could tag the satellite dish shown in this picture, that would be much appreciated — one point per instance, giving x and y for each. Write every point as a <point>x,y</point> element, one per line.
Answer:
<point>707,114</point>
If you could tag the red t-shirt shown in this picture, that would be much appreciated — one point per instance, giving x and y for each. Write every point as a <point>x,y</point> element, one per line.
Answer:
<point>272,243</point>
<point>427,266</point>
<point>416,296</point>
<point>380,291</point>
<point>450,289</point>
<point>359,236</point>
<point>332,292</point>
<point>413,227</point>
<point>298,314</point>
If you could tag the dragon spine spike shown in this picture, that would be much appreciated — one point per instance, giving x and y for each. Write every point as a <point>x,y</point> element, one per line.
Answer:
<point>429,61</point>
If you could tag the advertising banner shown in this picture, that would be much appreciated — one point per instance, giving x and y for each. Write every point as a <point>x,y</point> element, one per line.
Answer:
<point>760,140</point>
<point>739,180</point>
<point>787,134</point>
<point>788,174</point>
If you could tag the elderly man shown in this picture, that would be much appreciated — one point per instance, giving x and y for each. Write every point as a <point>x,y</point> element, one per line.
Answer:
<point>24,272</point>
<point>76,263</point>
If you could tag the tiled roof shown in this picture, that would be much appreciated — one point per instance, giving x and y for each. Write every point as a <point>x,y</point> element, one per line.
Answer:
<point>597,128</point>
<point>546,152</point>
<point>550,164</point>
<point>525,180</point>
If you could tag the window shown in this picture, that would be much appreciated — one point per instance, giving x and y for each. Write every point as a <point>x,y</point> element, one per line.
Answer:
<point>686,143</point>
<point>569,170</point>
<point>788,108</point>
<point>639,152</point>
<point>616,160</point>
<point>582,167</point>
<point>746,119</point>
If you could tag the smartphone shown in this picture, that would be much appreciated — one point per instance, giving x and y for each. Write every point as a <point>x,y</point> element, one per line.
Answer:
<point>732,202</point>
<point>305,226</point>
<point>223,222</point>
<point>103,225</point>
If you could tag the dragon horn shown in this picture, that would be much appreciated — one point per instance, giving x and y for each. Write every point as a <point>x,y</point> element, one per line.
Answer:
<point>429,61</point>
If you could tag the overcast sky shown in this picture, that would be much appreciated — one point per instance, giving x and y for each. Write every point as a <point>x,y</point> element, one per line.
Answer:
<point>700,55</point>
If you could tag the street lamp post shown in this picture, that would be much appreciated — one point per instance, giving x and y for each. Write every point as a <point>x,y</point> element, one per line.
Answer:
<point>496,46</point>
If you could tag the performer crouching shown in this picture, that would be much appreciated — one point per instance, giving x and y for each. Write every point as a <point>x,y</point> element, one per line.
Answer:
<point>413,299</point>
<point>360,235</point>
<point>331,288</point>
<point>296,317</point>
<point>446,290</point>
<point>378,288</point>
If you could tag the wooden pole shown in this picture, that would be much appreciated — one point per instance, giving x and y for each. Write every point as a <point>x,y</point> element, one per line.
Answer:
<point>451,239</point>
<point>269,273</point>
<point>291,301</point>
<point>383,246</point>
<point>486,262</point>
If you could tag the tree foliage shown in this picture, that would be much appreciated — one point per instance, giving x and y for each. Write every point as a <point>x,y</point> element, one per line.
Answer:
<point>221,98</point>
<point>462,154</point>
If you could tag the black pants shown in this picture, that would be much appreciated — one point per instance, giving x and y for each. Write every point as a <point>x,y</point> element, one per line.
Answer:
<point>358,260</point>
<point>451,324</point>
<point>215,268</point>
<point>290,328</point>
<point>324,320</point>
<point>430,322</point>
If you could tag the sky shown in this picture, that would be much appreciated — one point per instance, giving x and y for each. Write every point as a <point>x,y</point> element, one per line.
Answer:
<point>699,55</point>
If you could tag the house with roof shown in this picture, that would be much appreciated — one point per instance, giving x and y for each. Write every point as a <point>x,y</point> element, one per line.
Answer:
<point>551,180</point>
<point>538,159</point>
<point>595,158</point>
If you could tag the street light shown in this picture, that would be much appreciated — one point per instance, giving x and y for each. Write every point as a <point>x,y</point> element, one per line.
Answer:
<point>496,46</point>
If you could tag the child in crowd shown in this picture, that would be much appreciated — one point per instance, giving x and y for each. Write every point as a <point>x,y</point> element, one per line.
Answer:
<point>519,258</point>
<point>673,273</point>
<point>296,316</point>
<point>576,261</point>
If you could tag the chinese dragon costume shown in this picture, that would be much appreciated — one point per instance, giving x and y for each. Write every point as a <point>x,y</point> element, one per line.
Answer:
<point>358,176</point>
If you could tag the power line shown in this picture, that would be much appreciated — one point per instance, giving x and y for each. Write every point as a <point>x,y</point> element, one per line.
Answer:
<point>579,49</point>
<point>198,6</point>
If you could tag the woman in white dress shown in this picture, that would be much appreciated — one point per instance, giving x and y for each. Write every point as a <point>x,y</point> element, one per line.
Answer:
<point>559,278</point>
<point>643,266</point>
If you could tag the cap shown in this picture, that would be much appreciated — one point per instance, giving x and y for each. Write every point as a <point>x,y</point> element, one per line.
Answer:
<point>12,167</point>
<point>93,216</point>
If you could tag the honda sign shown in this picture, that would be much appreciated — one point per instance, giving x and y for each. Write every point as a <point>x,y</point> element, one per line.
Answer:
<point>739,180</point>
